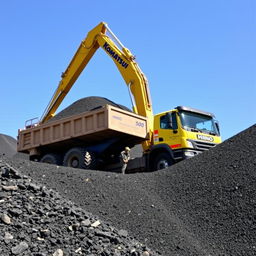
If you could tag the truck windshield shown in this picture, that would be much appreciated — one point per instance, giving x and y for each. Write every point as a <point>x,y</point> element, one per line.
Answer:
<point>198,123</point>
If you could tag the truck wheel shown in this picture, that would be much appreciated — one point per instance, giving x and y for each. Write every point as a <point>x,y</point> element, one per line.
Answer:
<point>80,158</point>
<point>162,161</point>
<point>51,159</point>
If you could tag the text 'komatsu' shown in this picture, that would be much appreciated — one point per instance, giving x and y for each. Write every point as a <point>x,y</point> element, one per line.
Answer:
<point>115,56</point>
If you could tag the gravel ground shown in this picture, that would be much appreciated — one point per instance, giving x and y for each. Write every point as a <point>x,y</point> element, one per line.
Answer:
<point>201,206</point>
<point>37,221</point>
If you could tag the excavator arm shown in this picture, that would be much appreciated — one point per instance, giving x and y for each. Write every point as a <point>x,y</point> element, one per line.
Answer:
<point>125,62</point>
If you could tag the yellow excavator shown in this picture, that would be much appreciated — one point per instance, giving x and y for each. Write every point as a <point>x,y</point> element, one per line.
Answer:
<point>125,62</point>
<point>173,135</point>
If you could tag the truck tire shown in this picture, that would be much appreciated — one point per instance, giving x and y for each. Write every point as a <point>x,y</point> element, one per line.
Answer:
<point>80,158</point>
<point>51,159</point>
<point>162,161</point>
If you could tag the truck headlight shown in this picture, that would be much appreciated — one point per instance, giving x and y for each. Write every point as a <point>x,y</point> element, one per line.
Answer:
<point>190,144</point>
<point>189,154</point>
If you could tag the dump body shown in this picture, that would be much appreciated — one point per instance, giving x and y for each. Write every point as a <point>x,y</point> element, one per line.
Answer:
<point>85,129</point>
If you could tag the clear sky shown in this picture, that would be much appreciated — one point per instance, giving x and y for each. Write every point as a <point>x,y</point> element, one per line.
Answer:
<point>198,53</point>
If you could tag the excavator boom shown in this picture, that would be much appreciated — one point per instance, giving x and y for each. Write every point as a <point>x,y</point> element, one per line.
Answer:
<point>125,62</point>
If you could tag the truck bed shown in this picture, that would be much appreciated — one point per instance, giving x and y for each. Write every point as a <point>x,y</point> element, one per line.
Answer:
<point>84,129</point>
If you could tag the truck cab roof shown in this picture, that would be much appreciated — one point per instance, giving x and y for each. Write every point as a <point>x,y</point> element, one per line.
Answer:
<point>194,110</point>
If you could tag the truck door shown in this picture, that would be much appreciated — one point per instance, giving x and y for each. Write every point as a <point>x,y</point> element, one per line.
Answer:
<point>168,130</point>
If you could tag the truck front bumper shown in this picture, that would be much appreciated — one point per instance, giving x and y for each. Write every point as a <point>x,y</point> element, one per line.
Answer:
<point>182,154</point>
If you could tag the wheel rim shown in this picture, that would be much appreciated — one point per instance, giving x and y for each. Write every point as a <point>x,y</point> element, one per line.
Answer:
<point>74,162</point>
<point>162,164</point>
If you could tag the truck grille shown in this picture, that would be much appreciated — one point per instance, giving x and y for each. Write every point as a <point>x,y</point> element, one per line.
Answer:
<point>201,145</point>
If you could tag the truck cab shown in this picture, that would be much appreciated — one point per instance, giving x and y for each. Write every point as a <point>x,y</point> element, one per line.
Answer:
<point>187,131</point>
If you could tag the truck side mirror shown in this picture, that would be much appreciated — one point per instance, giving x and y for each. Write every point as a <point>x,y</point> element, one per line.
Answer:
<point>218,126</point>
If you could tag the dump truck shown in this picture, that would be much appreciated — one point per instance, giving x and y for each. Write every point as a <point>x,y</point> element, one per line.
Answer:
<point>104,129</point>
<point>94,139</point>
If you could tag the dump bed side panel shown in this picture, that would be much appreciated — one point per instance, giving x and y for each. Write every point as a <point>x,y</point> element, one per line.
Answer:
<point>126,122</point>
<point>88,127</point>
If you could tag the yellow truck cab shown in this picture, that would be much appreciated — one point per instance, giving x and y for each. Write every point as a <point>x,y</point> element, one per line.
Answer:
<point>187,131</point>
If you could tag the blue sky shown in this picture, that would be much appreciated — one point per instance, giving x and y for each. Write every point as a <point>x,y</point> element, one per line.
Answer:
<point>196,53</point>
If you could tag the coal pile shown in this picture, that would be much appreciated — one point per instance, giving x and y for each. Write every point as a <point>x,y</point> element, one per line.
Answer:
<point>37,221</point>
<point>201,206</point>
<point>8,148</point>
<point>84,105</point>
<point>8,145</point>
